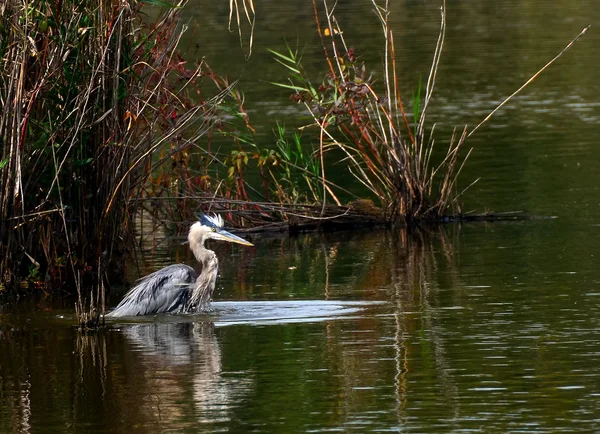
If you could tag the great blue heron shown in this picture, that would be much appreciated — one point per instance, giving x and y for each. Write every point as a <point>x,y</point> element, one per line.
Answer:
<point>177,288</point>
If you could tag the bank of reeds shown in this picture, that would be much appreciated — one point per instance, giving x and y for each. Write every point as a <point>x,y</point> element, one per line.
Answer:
<point>90,94</point>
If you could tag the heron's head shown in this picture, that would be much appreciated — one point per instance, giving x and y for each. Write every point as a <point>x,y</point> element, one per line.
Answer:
<point>211,228</point>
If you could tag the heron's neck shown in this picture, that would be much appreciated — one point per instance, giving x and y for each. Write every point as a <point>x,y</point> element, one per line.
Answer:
<point>203,255</point>
<point>204,286</point>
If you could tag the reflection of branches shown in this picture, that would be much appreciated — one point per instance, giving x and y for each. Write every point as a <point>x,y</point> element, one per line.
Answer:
<point>401,358</point>
<point>414,271</point>
<point>408,264</point>
<point>92,353</point>
<point>14,376</point>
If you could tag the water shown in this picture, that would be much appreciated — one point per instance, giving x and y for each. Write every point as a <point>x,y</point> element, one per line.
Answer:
<point>482,327</point>
<point>485,327</point>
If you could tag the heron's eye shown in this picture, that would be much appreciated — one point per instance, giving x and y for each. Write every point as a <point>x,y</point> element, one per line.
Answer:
<point>213,229</point>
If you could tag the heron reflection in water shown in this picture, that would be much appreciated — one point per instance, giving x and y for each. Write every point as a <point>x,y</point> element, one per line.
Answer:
<point>177,288</point>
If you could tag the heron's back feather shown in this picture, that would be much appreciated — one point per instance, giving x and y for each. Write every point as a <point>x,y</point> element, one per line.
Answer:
<point>164,291</point>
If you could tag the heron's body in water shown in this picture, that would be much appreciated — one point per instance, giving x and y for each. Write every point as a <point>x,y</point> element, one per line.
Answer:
<point>177,288</point>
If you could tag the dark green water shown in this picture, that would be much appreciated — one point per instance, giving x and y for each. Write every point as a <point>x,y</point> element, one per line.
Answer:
<point>483,327</point>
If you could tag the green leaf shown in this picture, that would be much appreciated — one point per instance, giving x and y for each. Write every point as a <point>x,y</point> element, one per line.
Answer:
<point>3,163</point>
<point>313,92</point>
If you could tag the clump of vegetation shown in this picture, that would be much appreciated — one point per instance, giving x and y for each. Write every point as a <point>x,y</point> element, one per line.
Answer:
<point>386,149</point>
<point>389,151</point>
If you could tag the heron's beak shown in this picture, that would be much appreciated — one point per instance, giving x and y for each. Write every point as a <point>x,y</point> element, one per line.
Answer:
<point>226,236</point>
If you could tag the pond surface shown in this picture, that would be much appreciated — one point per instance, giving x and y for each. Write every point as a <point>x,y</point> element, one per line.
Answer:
<point>485,327</point>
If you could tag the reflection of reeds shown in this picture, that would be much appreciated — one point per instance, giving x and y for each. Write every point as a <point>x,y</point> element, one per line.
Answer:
<point>16,377</point>
<point>93,357</point>
<point>419,258</point>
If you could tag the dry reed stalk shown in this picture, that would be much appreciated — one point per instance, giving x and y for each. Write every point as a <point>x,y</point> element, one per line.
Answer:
<point>528,82</point>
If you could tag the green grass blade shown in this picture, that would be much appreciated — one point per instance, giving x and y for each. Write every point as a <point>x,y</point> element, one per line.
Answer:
<point>291,68</point>
<point>290,86</point>
<point>283,56</point>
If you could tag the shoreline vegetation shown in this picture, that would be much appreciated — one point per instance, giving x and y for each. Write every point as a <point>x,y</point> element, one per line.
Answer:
<point>104,121</point>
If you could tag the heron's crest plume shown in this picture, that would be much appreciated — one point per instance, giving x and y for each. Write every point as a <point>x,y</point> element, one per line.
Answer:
<point>211,228</point>
<point>214,221</point>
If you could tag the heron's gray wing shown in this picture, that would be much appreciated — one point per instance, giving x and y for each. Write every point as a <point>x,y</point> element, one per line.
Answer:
<point>165,290</point>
